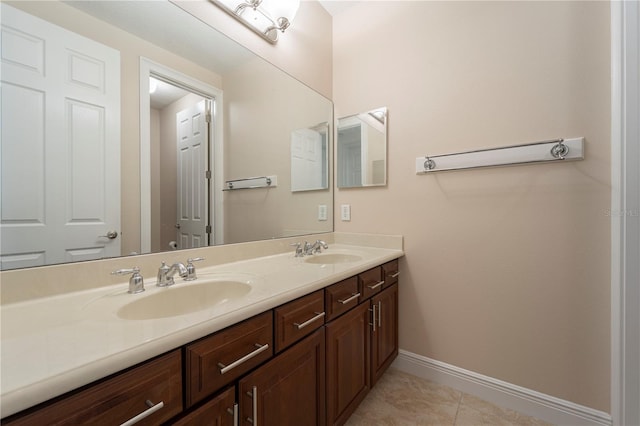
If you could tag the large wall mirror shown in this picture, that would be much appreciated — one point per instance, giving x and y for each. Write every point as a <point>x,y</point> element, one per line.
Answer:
<point>122,124</point>
<point>362,149</point>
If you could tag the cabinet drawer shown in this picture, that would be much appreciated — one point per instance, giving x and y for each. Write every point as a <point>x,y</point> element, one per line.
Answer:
<point>299,318</point>
<point>221,358</point>
<point>340,297</point>
<point>390,273</point>
<point>219,411</point>
<point>154,387</point>
<point>370,282</point>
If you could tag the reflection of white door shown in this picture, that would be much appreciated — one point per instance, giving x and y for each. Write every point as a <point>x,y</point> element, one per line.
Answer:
<point>60,146</point>
<point>192,134</point>
<point>306,160</point>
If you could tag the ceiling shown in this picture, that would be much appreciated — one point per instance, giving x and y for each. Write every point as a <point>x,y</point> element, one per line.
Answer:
<point>335,7</point>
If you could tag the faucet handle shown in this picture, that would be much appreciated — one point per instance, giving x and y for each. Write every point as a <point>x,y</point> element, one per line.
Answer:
<point>191,270</point>
<point>136,282</point>
<point>298,246</point>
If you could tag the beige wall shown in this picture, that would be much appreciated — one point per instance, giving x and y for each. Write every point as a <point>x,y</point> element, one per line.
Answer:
<point>506,270</point>
<point>131,48</point>
<point>260,114</point>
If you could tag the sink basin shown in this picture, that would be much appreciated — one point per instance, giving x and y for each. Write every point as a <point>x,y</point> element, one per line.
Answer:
<point>177,300</point>
<point>332,258</point>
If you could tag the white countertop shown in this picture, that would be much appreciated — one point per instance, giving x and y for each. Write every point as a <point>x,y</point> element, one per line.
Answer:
<point>55,344</point>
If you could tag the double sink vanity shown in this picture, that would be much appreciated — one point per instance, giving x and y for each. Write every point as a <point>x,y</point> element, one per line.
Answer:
<point>270,339</point>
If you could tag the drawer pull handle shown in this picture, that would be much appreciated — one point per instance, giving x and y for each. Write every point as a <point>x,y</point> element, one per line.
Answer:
<point>146,413</point>
<point>234,364</point>
<point>376,285</point>
<point>254,399</point>
<point>307,322</point>
<point>234,413</point>
<point>395,275</point>
<point>353,296</point>
<point>373,317</point>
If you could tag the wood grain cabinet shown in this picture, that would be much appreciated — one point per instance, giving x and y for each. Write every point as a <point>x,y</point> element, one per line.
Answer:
<point>222,410</point>
<point>219,359</point>
<point>384,334</point>
<point>348,360</point>
<point>298,318</point>
<point>151,392</point>
<point>289,390</point>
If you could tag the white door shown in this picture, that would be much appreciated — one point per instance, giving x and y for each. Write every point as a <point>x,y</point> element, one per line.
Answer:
<point>59,146</point>
<point>306,160</point>
<point>193,140</point>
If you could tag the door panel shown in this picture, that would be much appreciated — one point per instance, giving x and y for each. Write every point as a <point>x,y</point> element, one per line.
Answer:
<point>60,144</point>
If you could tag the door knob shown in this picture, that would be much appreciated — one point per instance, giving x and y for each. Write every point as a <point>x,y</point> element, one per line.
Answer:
<point>177,226</point>
<point>112,235</point>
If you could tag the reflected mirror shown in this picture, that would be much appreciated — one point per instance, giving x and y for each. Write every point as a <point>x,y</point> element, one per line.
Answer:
<point>362,149</point>
<point>94,165</point>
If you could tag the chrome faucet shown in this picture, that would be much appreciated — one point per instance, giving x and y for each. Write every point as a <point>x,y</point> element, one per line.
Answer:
<point>136,282</point>
<point>166,273</point>
<point>316,247</point>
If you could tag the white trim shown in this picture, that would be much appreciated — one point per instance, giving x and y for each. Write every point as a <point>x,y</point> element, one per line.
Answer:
<point>503,394</point>
<point>147,68</point>
<point>625,209</point>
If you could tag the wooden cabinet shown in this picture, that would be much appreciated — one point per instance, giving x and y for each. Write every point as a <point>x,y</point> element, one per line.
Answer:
<point>219,359</point>
<point>298,318</point>
<point>340,297</point>
<point>219,411</point>
<point>289,390</point>
<point>154,388</point>
<point>384,335</point>
<point>348,358</point>
<point>390,273</point>
<point>370,282</point>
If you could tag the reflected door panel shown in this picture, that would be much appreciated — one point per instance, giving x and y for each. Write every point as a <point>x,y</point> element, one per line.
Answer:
<point>60,145</point>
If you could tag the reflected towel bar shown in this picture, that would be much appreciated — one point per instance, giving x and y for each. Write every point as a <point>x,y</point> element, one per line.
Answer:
<point>535,152</point>
<point>251,183</point>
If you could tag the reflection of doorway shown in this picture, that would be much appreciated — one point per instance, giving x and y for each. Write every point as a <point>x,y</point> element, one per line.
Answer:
<point>159,173</point>
<point>180,147</point>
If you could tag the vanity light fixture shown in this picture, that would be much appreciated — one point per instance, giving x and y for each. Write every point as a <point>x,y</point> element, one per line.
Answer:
<point>265,17</point>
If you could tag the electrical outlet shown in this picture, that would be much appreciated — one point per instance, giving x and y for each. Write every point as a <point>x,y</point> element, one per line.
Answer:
<point>322,212</point>
<point>345,212</point>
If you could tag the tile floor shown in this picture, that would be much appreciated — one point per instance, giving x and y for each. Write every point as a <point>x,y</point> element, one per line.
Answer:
<point>400,399</point>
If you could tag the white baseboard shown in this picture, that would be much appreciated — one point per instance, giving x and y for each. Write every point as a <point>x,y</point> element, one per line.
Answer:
<point>503,394</point>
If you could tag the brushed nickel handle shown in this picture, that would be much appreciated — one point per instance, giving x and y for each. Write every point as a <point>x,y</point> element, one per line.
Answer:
<point>112,235</point>
<point>309,321</point>
<point>234,413</point>
<point>234,364</point>
<point>395,275</point>
<point>373,317</point>
<point>146,413</point>
<point>380,314</point>
<point>353,296</point>
<point>254,397</point>
<point>376,285</point>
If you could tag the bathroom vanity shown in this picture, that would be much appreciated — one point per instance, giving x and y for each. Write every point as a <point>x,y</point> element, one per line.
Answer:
<point>283,353</point>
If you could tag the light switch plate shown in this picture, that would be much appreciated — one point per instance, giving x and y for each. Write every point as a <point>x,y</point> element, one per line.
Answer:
<point>322,212</point>
<point>345,212</point>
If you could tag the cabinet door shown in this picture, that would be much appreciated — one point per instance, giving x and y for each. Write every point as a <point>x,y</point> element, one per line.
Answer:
<point>217,412</point>
<point>348,355</point>
<point>384,337</point>
<point>153,388</point>
<point>289,390</point>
